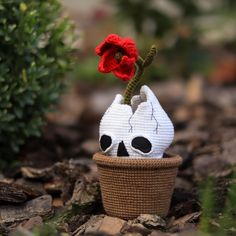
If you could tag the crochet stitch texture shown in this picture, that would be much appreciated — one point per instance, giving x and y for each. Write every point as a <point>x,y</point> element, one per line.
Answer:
<point>118,55</point>
<point>144,118</point>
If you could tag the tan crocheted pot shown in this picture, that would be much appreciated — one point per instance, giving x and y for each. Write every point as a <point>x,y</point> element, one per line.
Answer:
<point>131,187</point>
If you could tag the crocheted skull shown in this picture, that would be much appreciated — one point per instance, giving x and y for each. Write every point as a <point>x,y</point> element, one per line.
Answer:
<point>140,130</point>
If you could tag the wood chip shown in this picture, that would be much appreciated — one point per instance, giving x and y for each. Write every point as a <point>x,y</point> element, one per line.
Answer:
<point>32,222</point>
<point>40,206</point>
<point>150,221</point>
<point>136,229</point>
<point>10,192</point>
<point>90,226</point>
<point>111,225</point>
<point>33,173</point>
<point>182,221</point>
<point>58,202</point>
<point>84,192</point>
<point>100,223</point>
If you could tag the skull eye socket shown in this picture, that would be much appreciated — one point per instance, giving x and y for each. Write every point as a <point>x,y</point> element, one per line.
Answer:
<point>105,142</point>
<point>142,144</point>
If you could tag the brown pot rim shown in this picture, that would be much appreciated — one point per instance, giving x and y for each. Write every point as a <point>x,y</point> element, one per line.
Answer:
<point>168,161</point>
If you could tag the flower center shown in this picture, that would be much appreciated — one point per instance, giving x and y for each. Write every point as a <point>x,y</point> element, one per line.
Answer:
<point>118,56</point>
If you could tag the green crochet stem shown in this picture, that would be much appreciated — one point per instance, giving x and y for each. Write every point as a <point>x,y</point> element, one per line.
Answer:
<point>140,65</point>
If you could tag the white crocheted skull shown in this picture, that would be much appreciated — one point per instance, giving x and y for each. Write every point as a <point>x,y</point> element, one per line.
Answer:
<point>140,130</point>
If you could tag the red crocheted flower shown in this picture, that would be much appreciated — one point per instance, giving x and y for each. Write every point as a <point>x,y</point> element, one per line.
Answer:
<point>118,55</point>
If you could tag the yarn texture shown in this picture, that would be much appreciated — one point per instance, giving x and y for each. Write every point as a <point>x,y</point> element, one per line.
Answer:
<point>118,55</point>
<point>142,129</point>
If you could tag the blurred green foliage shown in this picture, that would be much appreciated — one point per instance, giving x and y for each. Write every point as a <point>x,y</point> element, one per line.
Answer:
<point>87,70</point>
<point>45,230</point>
<point>149,11</point>
<point>35,53</point>
<point>207,205</point>
<point>185,31</point>
<point>213,221</point>
<point>189,35</point>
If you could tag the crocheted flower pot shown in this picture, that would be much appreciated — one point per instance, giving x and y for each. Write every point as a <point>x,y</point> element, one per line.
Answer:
<point>134,186</point>
<point>136,177</point>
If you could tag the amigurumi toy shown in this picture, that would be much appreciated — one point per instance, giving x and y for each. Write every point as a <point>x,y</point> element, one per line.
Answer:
<point>142,129</point>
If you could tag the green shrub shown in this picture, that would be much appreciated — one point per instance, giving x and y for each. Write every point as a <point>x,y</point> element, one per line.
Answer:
<point>34,56</point>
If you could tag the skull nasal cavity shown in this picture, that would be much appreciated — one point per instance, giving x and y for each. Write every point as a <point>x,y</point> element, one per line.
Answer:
<point>122,152</point>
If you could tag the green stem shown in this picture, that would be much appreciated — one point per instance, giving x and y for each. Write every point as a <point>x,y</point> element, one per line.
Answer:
<point>140,65</point>
<point>150,56</point>
<point>134,82</point>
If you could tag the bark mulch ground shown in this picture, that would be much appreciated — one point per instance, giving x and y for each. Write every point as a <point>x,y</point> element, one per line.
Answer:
<point>55,185</point>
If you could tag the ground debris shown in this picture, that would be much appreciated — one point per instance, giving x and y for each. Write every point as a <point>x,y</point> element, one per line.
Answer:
<point>90,226</point>
<point>32,222</point>
<point>160,233</point>
<point>101,224</point>
<point>15,193</point>
<point>59,180</point>
<point>150,221</point>
<point>188,136</point>
<point>184,221</point>
<point>10,192</point>
<point>229,151</point>
<point>54,186</point>
<point>60,164</point>
<point>76,221</point>
<point>184,202</point>
<point>85,192</point>
<point>35,186</point>
<point>35,173</point>
<point>134,229</point>
<point>40,206</point>
<point>90,146</point>
<point>4,229</point>
<point>181,183</point>
<point>111,225</point>
<point>21,231</point>
<point>209,165</point>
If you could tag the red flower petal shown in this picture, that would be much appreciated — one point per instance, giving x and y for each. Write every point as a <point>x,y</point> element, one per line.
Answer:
<point>109,47</point>
<point>126,69</point>
<point>127,44</point>
<point>130,48</point>
<point>124,75</point>
<point>108,62</point>
<point>111,39</point>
